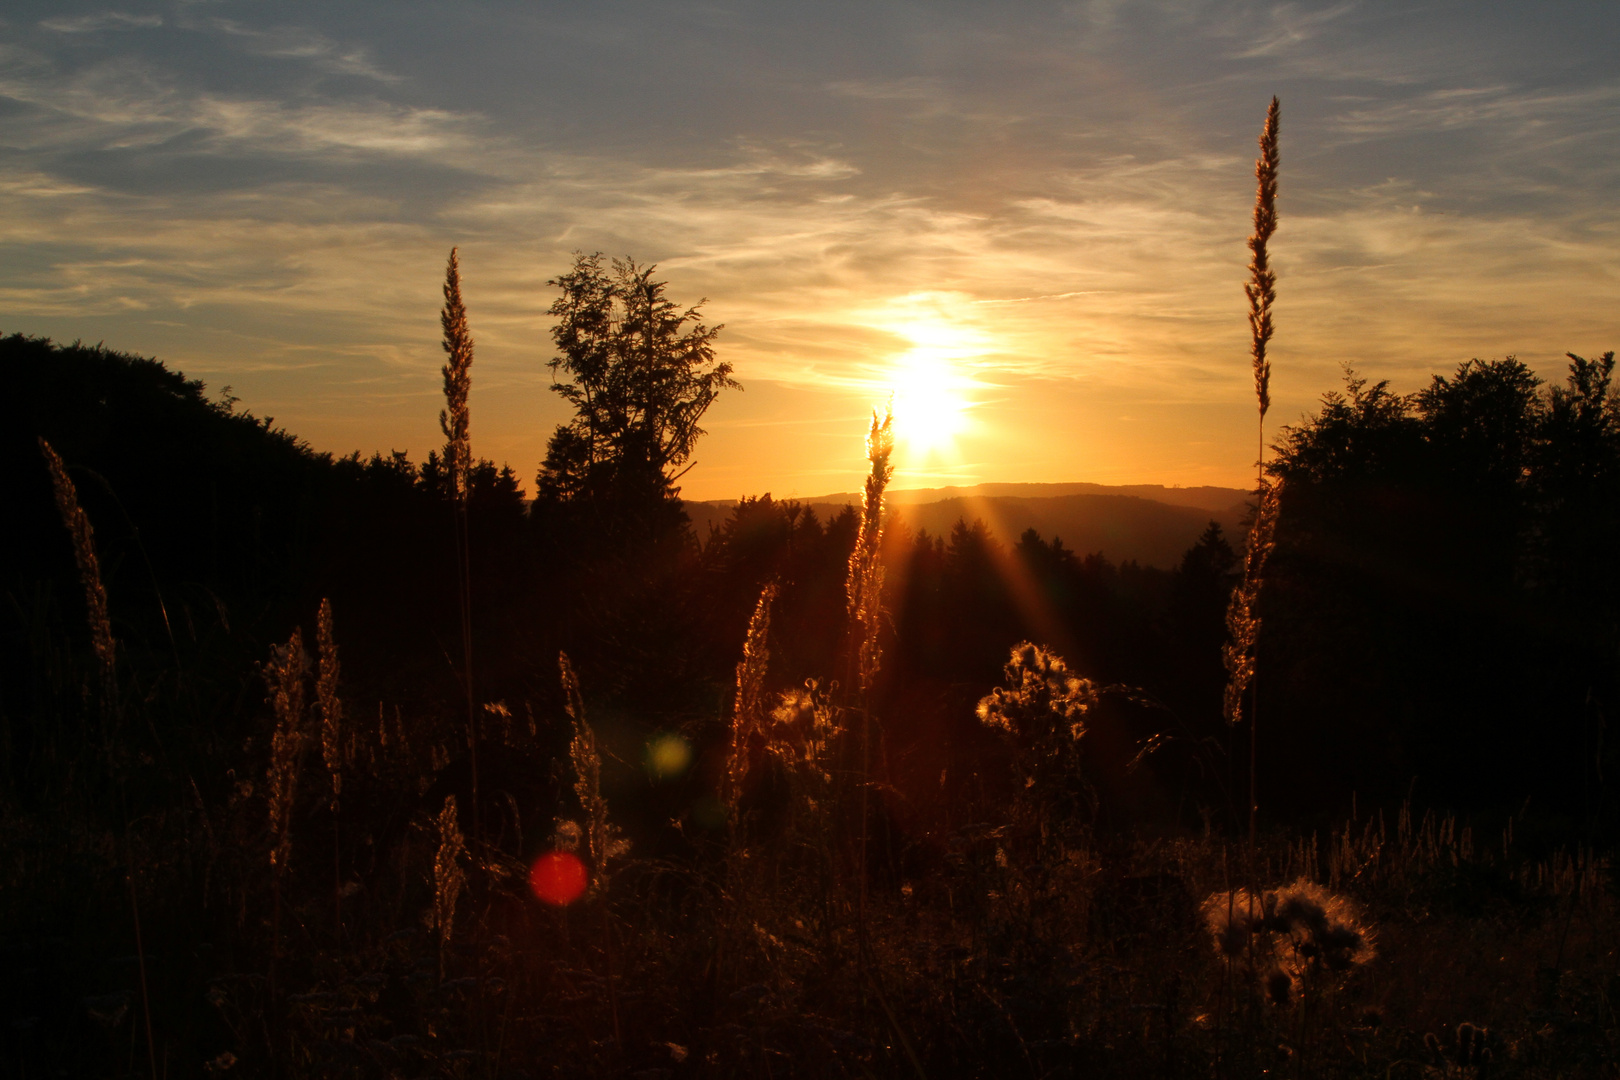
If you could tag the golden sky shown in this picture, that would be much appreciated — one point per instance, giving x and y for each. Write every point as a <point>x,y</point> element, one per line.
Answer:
<point>1025,219</point>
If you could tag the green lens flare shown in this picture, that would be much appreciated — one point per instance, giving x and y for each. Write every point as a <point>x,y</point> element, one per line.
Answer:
<point>668,756</point>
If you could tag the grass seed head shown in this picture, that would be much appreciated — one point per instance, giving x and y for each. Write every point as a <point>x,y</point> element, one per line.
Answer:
<point>1262,285</point>
<point>602,839</point>
<point>285,675</point>
<point>448,878</point>
<point>864,588</point>
<point>455,419</point>
<point>1242,615</point>
<point>333,750</point>
<point>748,714</point>
<point>77,523</point>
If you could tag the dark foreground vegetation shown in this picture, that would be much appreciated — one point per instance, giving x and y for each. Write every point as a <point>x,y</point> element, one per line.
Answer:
<point>879,846</point>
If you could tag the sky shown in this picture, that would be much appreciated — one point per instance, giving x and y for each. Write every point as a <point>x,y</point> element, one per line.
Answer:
<point>1027,221</point>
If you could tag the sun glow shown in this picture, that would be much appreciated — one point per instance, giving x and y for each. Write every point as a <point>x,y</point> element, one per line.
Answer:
<point>930,411</point>
<point>933,385</point>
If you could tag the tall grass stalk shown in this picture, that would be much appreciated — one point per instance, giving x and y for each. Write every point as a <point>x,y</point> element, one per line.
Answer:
<point>1262,285</point>
<point>448,878</point>
<point>456,422</point>
<point>77,523</point>
<point>82,535</point>
<point>284,673</point>
<point>864,597</point>
<point>1242,621</point>
<point>864,587</point>
<point>601,838</point>
<point>333,751</point>
<point>749,713</point>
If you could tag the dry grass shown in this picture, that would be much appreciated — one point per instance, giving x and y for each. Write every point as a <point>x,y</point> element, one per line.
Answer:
<point>456,418</point>
<point>749,711</point>
<point>77,523</point>
<point>1262,286</point>
<point>335,751</point>
<point>864,588</point>
<point>602,840</point>
<point>285,673</point>
<point>448,879</point>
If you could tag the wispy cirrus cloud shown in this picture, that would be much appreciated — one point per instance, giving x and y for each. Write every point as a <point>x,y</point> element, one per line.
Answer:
<point>303,44</point>
<point>106,20</point>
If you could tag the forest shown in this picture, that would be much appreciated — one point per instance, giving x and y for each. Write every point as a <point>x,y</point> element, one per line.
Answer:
<point>334,766</point>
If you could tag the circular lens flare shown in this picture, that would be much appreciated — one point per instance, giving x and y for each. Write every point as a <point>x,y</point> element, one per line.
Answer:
<point>668,756</point>
<point>558,878</point>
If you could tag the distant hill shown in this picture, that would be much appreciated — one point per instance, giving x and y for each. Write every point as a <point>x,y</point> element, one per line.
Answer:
<point>1147,522</point>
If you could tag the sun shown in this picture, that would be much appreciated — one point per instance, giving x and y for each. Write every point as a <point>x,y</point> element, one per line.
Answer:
<point>930,407</point>
<point>934,390</point>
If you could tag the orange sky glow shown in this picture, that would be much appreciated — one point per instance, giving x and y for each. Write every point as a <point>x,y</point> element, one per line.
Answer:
<point>1028,229</point>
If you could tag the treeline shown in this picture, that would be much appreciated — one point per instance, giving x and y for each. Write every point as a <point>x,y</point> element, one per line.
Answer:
<point>219,532</point>
<point>1441,610</point>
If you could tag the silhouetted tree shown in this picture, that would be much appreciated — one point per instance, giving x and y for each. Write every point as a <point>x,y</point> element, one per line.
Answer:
<point>1441,588</point>
<point>640,374</point>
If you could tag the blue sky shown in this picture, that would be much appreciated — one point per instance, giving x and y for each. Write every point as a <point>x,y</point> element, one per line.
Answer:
<point>1038,207</point>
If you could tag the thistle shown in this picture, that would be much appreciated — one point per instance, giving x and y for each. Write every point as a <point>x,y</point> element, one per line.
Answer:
<point>77,523</point>
<point>745,720</point>
<point>1043,704</point>
<point>1290,936</point>
<point>601,838</point>
<point>804,727</point>
<point>1042,712</point>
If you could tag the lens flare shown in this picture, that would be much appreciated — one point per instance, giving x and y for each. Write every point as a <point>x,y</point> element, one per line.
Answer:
<point>558,878</point>
<point>668,756</point>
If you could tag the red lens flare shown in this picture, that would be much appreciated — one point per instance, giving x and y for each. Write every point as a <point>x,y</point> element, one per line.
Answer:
<point>558,878</point>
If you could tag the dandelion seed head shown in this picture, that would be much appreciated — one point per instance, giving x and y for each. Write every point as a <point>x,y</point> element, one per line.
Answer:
<point>568,835</point>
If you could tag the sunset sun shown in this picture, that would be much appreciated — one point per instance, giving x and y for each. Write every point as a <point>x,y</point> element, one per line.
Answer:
<point>933,386</point>
<point>929,404</point>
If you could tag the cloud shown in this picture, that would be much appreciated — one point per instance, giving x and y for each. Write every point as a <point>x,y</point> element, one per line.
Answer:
<point>1064,225</point>
<point>107,20</point>
<point>300,43</point>
<point>129,104</point>
<point>1290,28</point>
<point>1511,113</point>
